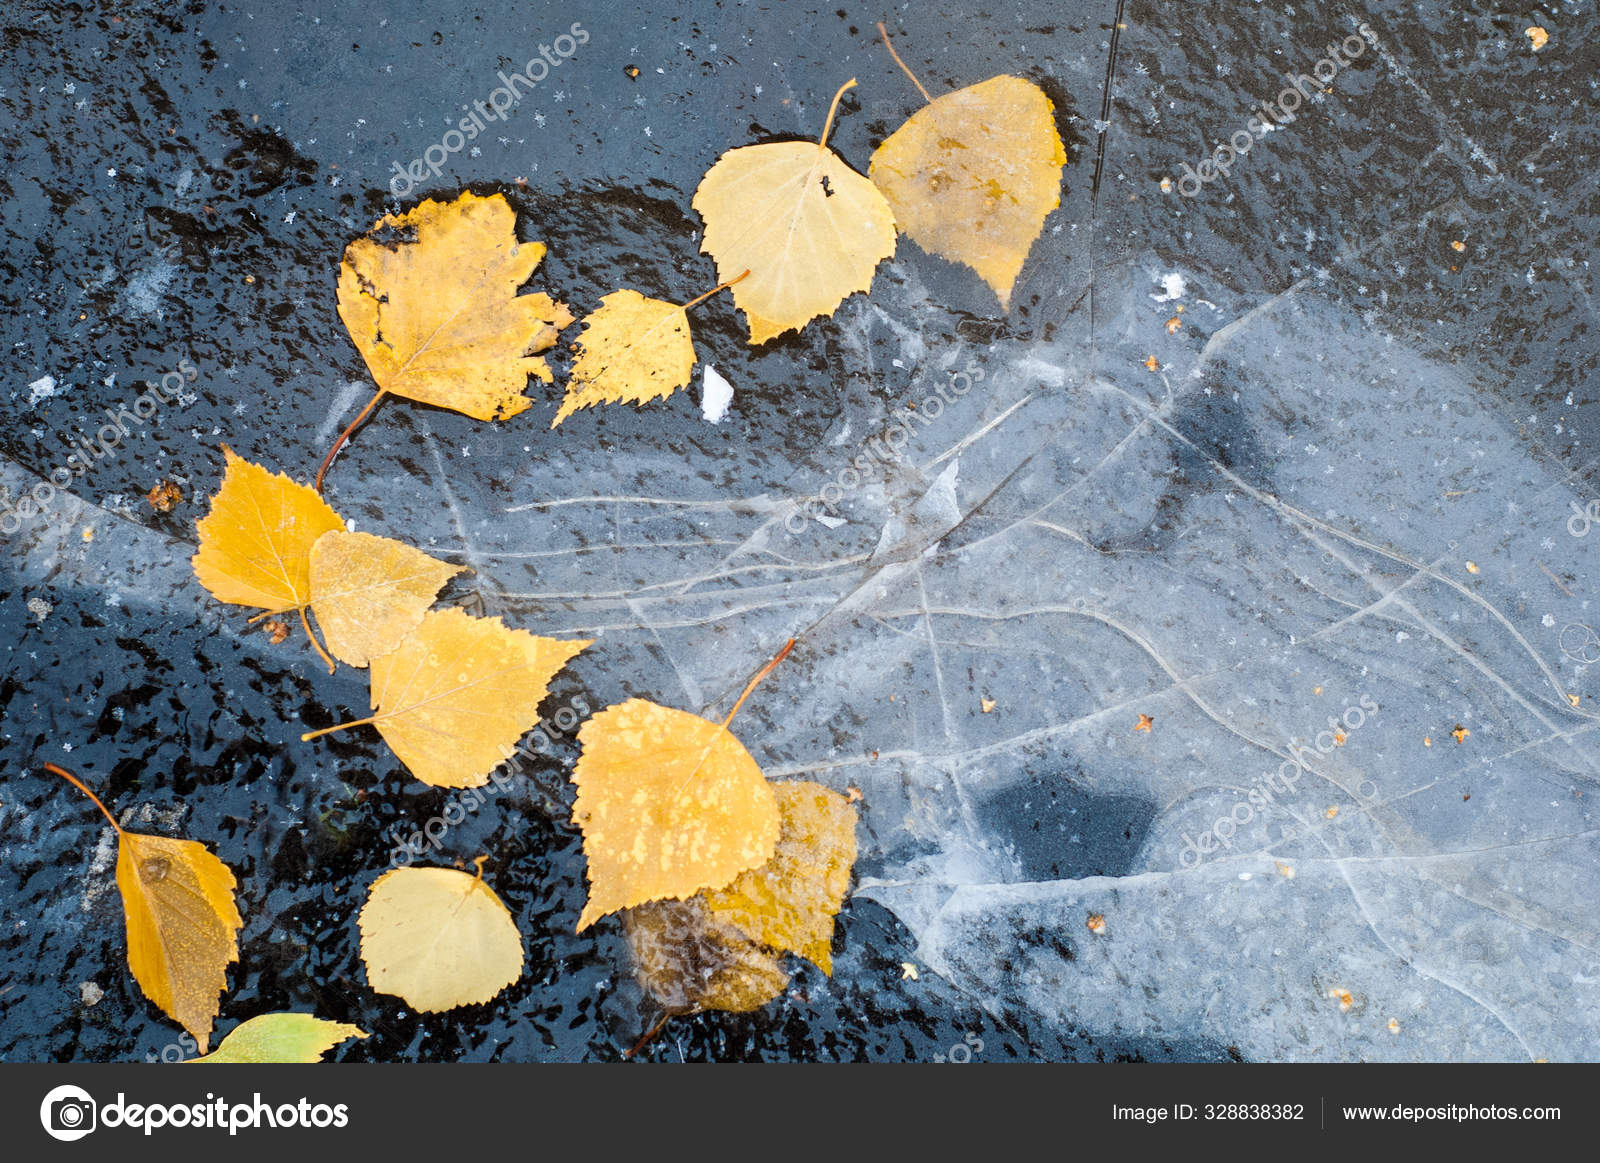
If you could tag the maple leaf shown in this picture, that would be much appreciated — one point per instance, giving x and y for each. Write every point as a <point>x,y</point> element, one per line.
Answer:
<point>972,176</point>
<point>633,349</point>
<point>281,1038</point>
<point>438,938</point>
<point>177,900</point>
<point>255,543</point>
<point>456,695</point>
<point>439,320</point>
<point>791,900</point>
<point>668,804</point>
<point>690,961</point>
<point>370,592</point>
<point>809,229</point>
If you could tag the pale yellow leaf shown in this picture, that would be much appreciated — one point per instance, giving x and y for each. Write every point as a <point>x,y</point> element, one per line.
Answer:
<point>808,228</point>
<point>438,938</point>
<point>972,176</point>
<point>370,592</point>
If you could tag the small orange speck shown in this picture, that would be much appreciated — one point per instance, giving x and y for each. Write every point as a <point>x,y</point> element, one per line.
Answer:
<point>1144,724</point>
<point>250,279</point>
<point>1179,308</point>
<point>1573,699</point>
<point>632,71</point>
<point>1460,733</point>
<point>1153,363</point>
<point>1427,741</point>
<point>986,704</point>
<point>1458,246</point>
<point>1394,1025</point>
<point>1096,923</point>
<point>1285,870</point>
<point>1538,36</point>
<point>852,794</point>
<point>1166,185</point>
<point>1339,738</point>
<point>1332,812</point>
<point>1342,996</point>
<point>88,534</point>
<point>1472,567</point>
<point>1172,325</point>
<point>1316,690</point>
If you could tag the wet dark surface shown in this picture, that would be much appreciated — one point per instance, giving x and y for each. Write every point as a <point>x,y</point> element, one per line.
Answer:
<point>180,185</point>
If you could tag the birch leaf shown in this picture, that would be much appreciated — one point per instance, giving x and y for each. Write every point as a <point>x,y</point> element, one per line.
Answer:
<point>255,544</point>
<point>972,176</point>
<point>668,803</point>
<point>454,697</point>
<point>439,320</point>
<point>809,229</point>
<point>438,938</point>
<point>632,349</point>
<point>370,592</point>
<point>791,900</point>
<point>691,961</point>
<point>183,925</point>
<point>281,1038</point>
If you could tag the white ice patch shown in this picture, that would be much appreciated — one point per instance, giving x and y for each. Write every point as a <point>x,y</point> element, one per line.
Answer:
<point>716,394</point>
<point>146,288</point>
<point>1174,288</point>
<point>41,389</point>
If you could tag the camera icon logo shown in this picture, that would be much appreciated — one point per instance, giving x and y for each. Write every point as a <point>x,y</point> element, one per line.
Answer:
<point>68,1113</point>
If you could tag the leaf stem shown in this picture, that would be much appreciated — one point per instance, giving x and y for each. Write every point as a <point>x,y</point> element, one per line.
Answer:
<point>712,291</point>
<point>828,124</point>
<point>77,783</point>
<point>889,44</point>
<point>345,435</point>
<point>310,735</point>
<point>651,1033</point>
<point>304,622</point>
<point>765,670</point>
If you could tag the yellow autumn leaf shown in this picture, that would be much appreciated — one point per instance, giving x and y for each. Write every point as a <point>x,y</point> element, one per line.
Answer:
<point>689,961</point>
<point>439,320</point>
<point>632,348</point>
<point>668,804</point>
<point>280,1038</point>
<point>791,900</point>
<point>438,938</point>
<point>455,696</point>
<point>809,229</point>
<point>183,925</point>
<point>370,592</point>
<point>255,544</point>
<point>972,176</point>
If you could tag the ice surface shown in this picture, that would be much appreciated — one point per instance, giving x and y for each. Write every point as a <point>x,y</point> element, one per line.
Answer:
<point>1345,485</point>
